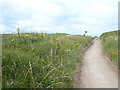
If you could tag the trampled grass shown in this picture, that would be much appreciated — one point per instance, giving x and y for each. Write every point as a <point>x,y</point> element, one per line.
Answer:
<point>110,45</point>
<point>41,60</point>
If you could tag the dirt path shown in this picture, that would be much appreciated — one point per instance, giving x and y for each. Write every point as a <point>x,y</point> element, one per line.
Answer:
<point>96,71</point>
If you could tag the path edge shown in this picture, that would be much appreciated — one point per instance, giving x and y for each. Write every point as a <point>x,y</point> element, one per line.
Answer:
<point>79,65</point>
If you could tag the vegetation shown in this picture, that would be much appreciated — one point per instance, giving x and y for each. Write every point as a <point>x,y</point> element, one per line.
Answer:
<point>41,60</point>
<point>110,45</point>
<point>0,61</point>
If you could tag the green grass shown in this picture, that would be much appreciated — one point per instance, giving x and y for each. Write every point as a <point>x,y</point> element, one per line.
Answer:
<point>110,45</point>
<point>0,61</point>
<point>41,60</point>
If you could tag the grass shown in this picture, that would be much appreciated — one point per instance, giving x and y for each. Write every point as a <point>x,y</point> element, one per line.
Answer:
<point>39,60</point>
<point>0,61</point>
<point>110,45</point>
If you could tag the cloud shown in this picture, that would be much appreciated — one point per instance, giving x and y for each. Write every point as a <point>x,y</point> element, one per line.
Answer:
<point>69,16</point>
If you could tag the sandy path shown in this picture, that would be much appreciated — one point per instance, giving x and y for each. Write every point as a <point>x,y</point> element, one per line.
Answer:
<point>96,71</point>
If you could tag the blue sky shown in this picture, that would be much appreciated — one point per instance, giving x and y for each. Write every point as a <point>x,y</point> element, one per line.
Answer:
<point>64,16</point>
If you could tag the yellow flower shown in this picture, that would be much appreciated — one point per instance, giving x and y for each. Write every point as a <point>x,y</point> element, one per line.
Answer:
<point>56,38</point>
<point>41,34</point>
<point>67,44</point>
<point>26,35</point>
<point>12,35</point>
<point>114,53</point>
<point>68,50</point>
<point>12,39</point>
<point>76,44</point>
<point>18,29</point>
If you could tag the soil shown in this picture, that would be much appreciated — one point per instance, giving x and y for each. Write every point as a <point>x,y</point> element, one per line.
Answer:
<point>96,70</point>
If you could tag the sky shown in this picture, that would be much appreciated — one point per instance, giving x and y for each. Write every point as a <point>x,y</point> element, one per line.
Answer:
<point>59,16</point>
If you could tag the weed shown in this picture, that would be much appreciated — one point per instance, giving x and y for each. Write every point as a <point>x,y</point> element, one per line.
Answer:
<point>41,60</point>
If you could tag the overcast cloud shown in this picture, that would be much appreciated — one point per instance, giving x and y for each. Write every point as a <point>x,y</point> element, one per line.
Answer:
<point>64,16</point>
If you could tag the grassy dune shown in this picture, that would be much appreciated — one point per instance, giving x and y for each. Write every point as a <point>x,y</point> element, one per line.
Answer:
<point>41,60</point>
<point>110,45</point>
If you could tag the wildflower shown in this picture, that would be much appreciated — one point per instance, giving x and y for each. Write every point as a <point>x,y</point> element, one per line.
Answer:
<point>26,35</point>
<point>114,53</point>
<point>67,44</point>
<point>56,38</point>
<point>76,44</point>
<point>12,39</point>
<point>13,35</point>
<point>68,50</point>
<point>42,34</point>
<point>18,29</point>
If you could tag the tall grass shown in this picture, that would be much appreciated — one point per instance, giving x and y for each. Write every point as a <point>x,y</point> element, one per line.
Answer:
<point>110,45</point>
<point>0,61</point>
<point>41,60</point>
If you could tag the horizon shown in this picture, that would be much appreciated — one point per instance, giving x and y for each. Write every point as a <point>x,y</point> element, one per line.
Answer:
<point>57,33</point>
